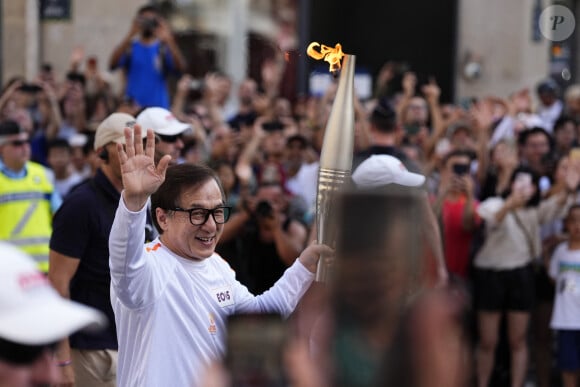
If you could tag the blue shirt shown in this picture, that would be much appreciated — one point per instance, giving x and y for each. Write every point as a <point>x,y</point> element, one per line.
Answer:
<point>146,73</point>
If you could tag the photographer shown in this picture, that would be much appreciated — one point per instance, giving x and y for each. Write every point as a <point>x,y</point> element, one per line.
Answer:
<point>148,59</point>
<point>267,237</point>
<point>455,207</point>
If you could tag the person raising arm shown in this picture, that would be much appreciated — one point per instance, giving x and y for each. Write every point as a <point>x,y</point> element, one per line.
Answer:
<point>171,297</point>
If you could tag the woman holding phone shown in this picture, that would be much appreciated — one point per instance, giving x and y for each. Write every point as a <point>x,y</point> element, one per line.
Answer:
<point>504,275</point>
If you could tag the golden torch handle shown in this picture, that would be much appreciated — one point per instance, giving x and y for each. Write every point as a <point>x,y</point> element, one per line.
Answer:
<point>329,182</point>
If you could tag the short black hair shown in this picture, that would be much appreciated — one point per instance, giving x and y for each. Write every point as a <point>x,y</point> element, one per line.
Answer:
<point>215,165</point>
<point>73,76</point>
<point>548,86</point>
<point>89,145</point>
<point>23,354</point>
<point>573,207</point>
<point>9,127</point>
<point>459,153</point>
<point>149,8</point>
<point>187,145</point>
<point>384,117</point>
<point>177,179</point>
<point>563,120</point>
<point>299,139</point>
<point>525,134</point>
<point>58,143</point>
<point>246,119</point>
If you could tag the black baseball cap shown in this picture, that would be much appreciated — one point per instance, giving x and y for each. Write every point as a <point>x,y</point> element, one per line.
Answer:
<point>9,127</point>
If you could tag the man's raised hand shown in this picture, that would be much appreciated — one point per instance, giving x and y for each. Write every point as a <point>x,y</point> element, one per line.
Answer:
<point>141,177</point>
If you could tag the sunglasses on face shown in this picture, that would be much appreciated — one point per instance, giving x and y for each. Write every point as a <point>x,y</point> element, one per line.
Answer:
<point>18,143</point>
<point>21,354</point>
<point>170,139</point>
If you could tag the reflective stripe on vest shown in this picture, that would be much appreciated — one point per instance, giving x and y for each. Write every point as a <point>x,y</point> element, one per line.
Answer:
<point>13,197</point>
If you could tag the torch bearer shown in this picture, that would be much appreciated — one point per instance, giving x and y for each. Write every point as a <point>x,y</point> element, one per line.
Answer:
<point>336,156</point>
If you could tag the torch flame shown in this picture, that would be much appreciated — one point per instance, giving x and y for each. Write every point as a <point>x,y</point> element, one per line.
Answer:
<point>329,54</point>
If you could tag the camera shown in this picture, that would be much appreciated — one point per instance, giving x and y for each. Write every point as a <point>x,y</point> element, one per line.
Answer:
<point>196,84</point>
<point>523,183</point>
<point>264,209</point>
<point>148,23</point>
<point>30,88</point>
<point>460,169</point>
<point>272,126</point>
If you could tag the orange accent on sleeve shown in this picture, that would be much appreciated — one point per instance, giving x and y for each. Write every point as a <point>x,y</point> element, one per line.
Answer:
<point>154,248</point>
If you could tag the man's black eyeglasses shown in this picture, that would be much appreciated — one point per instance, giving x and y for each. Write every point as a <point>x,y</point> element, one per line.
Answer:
<point>198,216</point>
<point>170,139</point>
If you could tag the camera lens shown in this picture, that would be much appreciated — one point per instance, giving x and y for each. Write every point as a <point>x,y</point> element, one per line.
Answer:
<point>149,23</point>
<point>264,209</point>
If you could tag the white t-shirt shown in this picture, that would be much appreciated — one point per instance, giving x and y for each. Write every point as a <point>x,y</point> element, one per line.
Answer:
<point>506,245</point>
<point>565,270</point>
<point>64,186</point>
<point>171,312</point>
<point>305,183</point>
<point>549,115</point>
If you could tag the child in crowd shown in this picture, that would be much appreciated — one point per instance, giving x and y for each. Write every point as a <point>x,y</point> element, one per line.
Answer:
<point>566,315</point>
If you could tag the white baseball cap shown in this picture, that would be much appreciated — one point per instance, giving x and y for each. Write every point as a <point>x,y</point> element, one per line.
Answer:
<point>112,129</point>
<point>31,311</point>
<point>78,140</point>
<point>162,121</point>
<point>380,170</point>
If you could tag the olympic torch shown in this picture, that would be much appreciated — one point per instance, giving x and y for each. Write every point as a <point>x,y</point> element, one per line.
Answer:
<point>337,148</point>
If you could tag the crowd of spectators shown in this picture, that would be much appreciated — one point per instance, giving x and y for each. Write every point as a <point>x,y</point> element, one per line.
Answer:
<point>500,172</point>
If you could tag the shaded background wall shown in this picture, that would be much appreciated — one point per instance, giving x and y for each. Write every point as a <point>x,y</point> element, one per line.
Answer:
<point>432,37</point>
<point>420,33</point>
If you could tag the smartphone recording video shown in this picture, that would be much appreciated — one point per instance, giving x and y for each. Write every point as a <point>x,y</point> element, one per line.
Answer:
<point>523,184</point>
<point>254,354</point>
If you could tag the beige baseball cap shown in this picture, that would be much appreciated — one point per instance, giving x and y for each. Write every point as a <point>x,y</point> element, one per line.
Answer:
<point>112,127</point>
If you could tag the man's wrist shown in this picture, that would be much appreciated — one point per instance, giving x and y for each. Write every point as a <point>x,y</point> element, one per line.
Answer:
<point>64,363</point>
<point>134,203</point>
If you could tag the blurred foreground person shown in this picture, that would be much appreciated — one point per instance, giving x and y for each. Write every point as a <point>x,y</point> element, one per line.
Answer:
<point>378,335</point>
<point>382,170</point>
<point>33,318</point>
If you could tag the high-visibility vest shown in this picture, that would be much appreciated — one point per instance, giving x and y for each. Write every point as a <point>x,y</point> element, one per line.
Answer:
<point>25,214</point>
